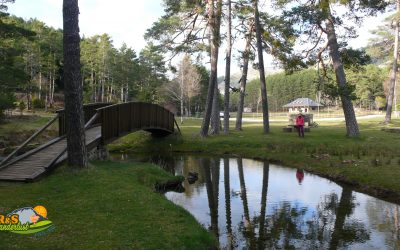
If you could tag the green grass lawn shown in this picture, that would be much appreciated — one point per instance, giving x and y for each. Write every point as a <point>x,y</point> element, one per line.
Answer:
<point>371,162</point>
<point>108,206</point>
<point>113,205</point>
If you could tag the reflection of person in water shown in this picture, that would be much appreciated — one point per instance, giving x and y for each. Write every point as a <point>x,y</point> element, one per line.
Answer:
<point>300,175</point>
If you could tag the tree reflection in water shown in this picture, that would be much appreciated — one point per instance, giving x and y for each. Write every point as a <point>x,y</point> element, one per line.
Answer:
<point>386,217</point>
<point>258,209</point>
<point>287,225</point>
<point>291,227</point>
<point>247,226</point>
<point>210,165</point>
<point>353,231</point>
<point>227,187</point>
<point>261,232</point>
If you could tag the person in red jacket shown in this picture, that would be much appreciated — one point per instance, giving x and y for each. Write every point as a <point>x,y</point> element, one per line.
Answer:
<point>300,125</point>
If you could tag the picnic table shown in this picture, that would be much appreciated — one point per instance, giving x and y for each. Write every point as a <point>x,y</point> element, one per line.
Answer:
<point>308,120</point>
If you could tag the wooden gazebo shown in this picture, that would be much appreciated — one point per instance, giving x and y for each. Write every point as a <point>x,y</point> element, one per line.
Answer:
<point>304,105</point>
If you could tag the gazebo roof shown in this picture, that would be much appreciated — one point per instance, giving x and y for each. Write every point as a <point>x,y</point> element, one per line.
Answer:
<point>302,102</point>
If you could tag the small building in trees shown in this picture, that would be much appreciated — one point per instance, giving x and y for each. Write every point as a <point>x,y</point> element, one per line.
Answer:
<point>247,110</point>
<point>305,105</point>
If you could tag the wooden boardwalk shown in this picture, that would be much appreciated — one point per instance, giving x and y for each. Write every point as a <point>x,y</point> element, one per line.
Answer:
<point>105,122</point>
<point>36,162</point>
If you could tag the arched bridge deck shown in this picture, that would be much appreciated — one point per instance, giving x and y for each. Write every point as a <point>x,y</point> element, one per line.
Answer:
<point>104,123</point>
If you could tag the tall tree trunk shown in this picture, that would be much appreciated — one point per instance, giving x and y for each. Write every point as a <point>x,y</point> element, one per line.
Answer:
<point>189,108</point>
<point>215,119</point>
<point>102,89</point>
<point>389,106</point>
<point>29,97</point>
<point>228,68</point>
<point>47,91</point>
<point>29,91</point>
<point>46,101</point>
<point>181,96</point>
<point>53,83</point>
<point>350,117</point>
<point>214,18</point>
<point>181,102</point>
<point>40,85</point>
<point>111,92</point>
<point>261,69</point>
<point>76,146</point>
<point>93,85</point>
<point>127,91</point>
<point>243,79</point>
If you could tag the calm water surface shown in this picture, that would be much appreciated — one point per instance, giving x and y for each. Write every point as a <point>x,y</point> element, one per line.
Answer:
<point>250,204</point>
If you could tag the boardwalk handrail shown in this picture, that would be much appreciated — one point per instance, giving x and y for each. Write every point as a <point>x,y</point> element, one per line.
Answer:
<point>55,140</point>
<point>91,121</point>
<point>123,118</point>
<point>28,140</point>
<point>114,121</point>
<point>89,111</point>
<point>177,126</point>
<point>87,125</point>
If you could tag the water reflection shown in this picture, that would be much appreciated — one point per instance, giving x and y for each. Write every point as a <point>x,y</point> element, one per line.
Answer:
<point>211,176</point>
<point>300,175</point>
<point>262,236</point>
<point>228,218</point>
<point>256,205</point>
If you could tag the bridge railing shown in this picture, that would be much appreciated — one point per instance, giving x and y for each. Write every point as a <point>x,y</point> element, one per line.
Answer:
<point>120,119</point>
<point>89,111</point>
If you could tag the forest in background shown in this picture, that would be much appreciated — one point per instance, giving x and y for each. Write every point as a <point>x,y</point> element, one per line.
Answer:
<point>31,74</point>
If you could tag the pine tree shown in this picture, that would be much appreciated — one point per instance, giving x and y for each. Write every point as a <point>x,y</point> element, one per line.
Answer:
<point>214,19</point>
<point>228,67</point>
<point>76,145</point>
<point>261,69</point>
<point>317,20</point>
<point>392,86</point>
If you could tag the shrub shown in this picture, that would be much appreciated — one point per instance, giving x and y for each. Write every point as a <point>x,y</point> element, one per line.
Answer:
<point>21,106</point>
<point>38,103</point>
<point>380,102</point>
<point>6,102</point>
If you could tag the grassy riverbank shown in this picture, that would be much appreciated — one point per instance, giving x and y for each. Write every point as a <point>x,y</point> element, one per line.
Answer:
<point>371,162</point>
<point>15,130</point>
<point>109,206</point>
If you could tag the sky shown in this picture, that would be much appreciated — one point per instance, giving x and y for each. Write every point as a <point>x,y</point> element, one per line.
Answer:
<point>127,21</point>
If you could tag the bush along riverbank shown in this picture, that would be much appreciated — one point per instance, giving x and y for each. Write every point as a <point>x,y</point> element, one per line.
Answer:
<point>370,163</point>
<point>108,206</point>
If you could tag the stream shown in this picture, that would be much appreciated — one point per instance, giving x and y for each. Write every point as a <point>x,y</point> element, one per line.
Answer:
<point>251,204</point>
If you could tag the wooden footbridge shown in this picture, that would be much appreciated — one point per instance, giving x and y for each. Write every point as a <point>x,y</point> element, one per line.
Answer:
<point>104,122</point>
